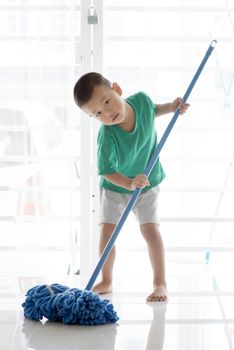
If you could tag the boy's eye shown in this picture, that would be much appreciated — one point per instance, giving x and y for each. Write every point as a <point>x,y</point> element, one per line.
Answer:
<point>98,114</point>
<point>107,102</point>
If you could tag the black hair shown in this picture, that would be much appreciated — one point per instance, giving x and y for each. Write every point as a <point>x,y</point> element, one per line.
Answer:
<point>85,85</point>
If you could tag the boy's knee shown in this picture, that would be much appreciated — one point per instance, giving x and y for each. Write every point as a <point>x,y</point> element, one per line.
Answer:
<point>107,229</point>
<point>149,226</point>
<point>149,229</point>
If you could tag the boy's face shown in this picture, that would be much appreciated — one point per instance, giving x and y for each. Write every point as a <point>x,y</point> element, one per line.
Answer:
<point>106,105</point>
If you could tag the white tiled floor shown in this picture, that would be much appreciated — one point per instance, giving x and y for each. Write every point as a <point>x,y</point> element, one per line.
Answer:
<point>199,315</point>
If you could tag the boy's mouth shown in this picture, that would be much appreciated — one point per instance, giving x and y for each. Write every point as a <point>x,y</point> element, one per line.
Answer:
<point>115,117</point>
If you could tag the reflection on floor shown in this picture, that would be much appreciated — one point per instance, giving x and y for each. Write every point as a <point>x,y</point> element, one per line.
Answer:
<point>199,315</point>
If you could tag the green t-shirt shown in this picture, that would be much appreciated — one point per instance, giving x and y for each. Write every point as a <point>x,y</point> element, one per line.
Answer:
<point>128,153</point>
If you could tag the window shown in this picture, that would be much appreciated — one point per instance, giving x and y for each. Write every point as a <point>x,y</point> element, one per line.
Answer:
<point>40,137</point>
<point>143,52</point>
<point>48,152</point>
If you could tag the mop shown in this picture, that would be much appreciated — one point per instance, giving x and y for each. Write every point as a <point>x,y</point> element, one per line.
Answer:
<point>74,306</point>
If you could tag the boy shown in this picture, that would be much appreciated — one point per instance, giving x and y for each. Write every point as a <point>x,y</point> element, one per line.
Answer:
<point>126,140</point>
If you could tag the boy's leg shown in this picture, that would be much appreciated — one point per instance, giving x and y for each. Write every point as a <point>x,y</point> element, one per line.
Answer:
<point>155,246</point>
<point>105,285</point>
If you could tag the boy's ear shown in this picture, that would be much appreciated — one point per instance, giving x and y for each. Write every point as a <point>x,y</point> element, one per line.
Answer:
<point>117,88</point>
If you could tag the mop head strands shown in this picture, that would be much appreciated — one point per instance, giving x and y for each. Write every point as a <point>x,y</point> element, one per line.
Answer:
<point>59,303</point>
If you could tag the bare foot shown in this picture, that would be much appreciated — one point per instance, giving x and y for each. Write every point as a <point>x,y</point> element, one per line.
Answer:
<point>158,294</point>
<point>102,288</point>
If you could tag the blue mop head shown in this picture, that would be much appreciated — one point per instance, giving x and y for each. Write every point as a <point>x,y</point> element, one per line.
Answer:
<point>68,305</point>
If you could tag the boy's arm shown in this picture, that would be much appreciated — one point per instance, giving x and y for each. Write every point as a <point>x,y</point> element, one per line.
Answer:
<point>171,107</point>
<point>163,109</point>
<point>140,181</point>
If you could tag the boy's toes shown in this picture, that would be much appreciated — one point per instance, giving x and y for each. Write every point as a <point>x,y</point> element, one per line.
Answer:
<point>158,295</point>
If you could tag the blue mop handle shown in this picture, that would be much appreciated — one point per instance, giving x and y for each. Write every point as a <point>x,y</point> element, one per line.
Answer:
<point>147,172</point>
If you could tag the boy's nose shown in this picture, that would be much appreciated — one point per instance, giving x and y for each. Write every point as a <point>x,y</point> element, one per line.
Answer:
<point>109,114</point>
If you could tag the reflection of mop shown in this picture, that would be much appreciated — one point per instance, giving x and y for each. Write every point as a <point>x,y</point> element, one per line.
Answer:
<point>71,305</point>
<point>216,213</point>
<point>50,336</point>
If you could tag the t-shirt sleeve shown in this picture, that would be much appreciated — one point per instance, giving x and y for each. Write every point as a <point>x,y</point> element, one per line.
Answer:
<point>107,160</point>
<point>148,101</point>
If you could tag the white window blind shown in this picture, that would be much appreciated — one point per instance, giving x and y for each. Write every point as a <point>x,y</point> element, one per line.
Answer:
<point>156,47</point>
<point>45,174</point>
<point>39,137</point>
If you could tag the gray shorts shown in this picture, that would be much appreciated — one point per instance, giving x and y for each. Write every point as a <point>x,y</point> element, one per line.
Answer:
<point>112,205</point>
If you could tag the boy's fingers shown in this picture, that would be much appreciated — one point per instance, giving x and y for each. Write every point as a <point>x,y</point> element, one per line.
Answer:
<point>140,181</point>
<point>183,106</point>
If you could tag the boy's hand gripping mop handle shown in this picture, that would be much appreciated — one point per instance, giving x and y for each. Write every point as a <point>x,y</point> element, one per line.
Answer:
<point>147,172</point>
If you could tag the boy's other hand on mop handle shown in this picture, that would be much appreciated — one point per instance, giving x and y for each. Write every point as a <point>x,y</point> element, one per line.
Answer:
<point>140,181</point>
<point>179,103</point>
